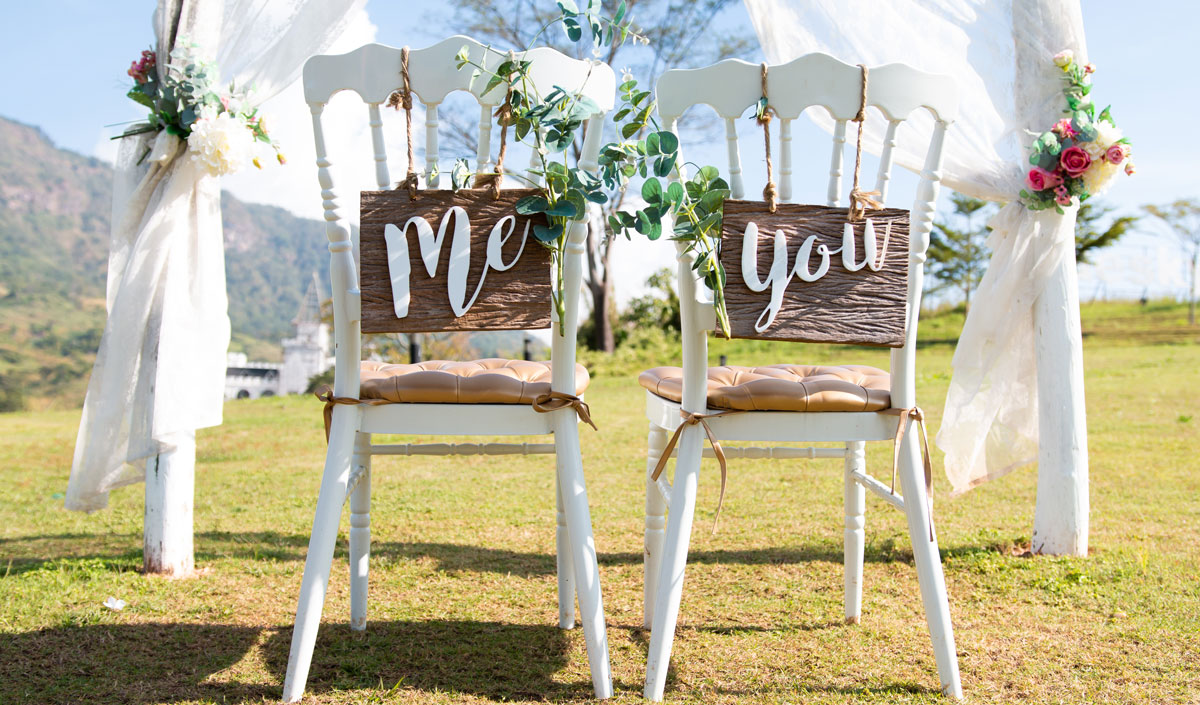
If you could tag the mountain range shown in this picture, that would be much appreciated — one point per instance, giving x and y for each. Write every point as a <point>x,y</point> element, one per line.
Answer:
<point>55,211</point>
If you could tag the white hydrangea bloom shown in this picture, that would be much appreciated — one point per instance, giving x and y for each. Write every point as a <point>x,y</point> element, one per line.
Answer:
<point>1107,133</point>
<point>1099,176</point>
<point>222,144</point>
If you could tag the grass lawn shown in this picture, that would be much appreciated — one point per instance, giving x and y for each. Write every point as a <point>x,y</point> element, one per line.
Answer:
<point>462,605</point>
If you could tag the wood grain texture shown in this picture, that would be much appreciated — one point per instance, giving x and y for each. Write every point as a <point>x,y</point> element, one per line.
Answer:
<point>860,308</point>
<point>515,299</point>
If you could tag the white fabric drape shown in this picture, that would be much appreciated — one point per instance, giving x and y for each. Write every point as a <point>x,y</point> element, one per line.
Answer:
<point>999,52</point>
<point>160,368</point>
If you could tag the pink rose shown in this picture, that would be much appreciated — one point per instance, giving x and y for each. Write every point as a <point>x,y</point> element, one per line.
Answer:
<point>1115,154</point>
<point>1040,179</point>
<point>1063,128</point>
<point>1075,161</point>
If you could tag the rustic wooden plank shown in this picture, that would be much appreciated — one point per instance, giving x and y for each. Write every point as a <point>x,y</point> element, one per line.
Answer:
<point>862,307</point>
<point>515,299</point>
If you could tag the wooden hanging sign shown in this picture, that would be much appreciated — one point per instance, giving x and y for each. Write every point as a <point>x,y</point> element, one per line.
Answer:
<point>803,273</point>
<point>451,261</point>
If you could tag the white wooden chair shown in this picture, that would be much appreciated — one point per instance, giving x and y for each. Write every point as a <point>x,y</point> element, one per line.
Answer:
<point>730,87</point>
<point>374,72</point>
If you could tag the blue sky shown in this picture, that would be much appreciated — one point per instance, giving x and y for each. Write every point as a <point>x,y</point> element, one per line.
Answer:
<point>65,73</point>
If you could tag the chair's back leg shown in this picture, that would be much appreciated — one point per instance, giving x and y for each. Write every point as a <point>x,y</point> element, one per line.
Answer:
<point>929,565</point>
<point>563,562</point>
<point>656,523</point>
<point>583,549</point>
<point>360,531</point>
<point>856,505</point>
<point>669,590</point>
<point>320,550</point>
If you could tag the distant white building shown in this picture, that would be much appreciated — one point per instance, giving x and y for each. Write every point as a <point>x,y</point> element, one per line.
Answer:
<point>305,355</point>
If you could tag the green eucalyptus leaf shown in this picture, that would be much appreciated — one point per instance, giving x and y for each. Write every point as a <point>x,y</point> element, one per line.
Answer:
<point>532,204</point>
<point>652,191</point>
<point>547,234</point>
<point>675,193</point>
<point>652,144</point>
<point>663,165</point>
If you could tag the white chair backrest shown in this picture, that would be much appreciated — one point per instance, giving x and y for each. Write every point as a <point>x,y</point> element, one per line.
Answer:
<point>374,73</point>
<point>731,87</point>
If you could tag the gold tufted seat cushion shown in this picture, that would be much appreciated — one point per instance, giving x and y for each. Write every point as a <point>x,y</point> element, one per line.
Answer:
<point>782,387</point>
<point>489,381</point>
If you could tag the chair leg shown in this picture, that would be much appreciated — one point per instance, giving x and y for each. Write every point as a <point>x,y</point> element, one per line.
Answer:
<point>929,567</point>
<point>656,521</point>
<point>856,504</point>
<point>583,551</point>
<point>360,531</point>
<point>564,565</point>
<point>669,590</point>
<point>320,550</point>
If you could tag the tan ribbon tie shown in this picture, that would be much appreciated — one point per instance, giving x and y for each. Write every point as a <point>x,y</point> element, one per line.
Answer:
<point>690,419</point>
<point>913,414</point>
<point>553,401</point>
<point>325,394</point>
<point>861,201</point>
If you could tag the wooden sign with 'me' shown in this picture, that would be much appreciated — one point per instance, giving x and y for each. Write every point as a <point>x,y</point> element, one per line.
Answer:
<point>800,274</point>
<point>451,261</point>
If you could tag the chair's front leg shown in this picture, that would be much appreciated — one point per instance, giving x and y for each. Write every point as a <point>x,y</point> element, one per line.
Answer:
<point>563,563</point>
<point>669,590</point>
<point>320,550</point>
<point>656,521</point>
<point>856,506</point>
<point>583,550</point>
<point>360,531</point>
<point>929,566</point>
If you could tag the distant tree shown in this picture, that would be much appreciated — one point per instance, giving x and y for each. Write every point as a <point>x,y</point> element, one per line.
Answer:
<point>659,308</point>
<point>1088,235</point>
<point>1182,218</point>
<point>957,255</point>
<point>12,393</point>
<point>681,34</point>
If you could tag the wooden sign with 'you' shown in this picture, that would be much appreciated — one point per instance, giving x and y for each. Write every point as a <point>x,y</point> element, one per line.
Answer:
<point>804,273</point>
<point>449,260</point>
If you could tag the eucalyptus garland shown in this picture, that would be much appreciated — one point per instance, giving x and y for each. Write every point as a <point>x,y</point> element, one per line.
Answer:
<point>550,124</point>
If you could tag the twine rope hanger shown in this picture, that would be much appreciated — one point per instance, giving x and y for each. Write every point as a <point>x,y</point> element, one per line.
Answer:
<point>503,117</point>
<point>860,201</point>
<point>769,192</point>
<point>397,100</point>
<point>403,99</point>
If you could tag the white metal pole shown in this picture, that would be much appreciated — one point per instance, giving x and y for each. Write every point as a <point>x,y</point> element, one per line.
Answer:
<point>170,488</point>
<point>1060,523</point>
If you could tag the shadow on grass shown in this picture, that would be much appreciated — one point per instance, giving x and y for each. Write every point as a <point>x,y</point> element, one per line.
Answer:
<point>126,663</point>
<point>122,552</point>
<point>485,659</point>
<point>164,663</point>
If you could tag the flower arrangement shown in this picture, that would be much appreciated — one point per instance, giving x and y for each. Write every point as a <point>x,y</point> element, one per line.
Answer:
<point>1079,156</point>
<point>223,132</point>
